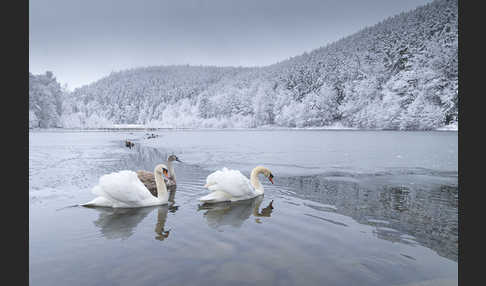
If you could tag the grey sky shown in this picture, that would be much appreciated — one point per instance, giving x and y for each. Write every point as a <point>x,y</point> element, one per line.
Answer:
<point>84,40</point>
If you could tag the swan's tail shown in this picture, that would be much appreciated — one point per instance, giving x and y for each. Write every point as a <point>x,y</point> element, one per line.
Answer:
<point>87,205</point>
<point>98,202</point>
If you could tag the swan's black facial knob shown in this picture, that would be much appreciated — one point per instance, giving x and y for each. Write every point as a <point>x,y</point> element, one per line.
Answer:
<point>165,172</point>
<point>270,178</point>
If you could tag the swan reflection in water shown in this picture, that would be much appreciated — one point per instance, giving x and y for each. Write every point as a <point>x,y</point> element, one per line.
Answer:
<point>235,213</point>
<point>120,223</point>
<point>162,234</point>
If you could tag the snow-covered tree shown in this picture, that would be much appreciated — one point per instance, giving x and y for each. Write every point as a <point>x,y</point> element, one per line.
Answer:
<point>45,100</point>
<point>401,73</point>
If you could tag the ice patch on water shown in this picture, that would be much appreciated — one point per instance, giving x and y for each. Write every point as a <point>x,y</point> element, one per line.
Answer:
<point>65,165</point>
<point>377,221</point>
<point>321,207</point>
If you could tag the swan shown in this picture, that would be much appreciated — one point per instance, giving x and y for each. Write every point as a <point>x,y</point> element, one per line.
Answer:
<point>124,190</point>
<point>129,144</point>
<point>148,178</point>
<point>232,185</point>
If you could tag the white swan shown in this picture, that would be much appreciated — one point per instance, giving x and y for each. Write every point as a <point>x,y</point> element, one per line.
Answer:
<point>124,190</point>
<point>232,185</point>
<point>148,178</point>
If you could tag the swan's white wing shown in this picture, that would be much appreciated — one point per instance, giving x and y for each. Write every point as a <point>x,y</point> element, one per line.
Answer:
<point>229,181</point>
<point>123,187</point>
<point>212,179</point>
<point>215,197</point>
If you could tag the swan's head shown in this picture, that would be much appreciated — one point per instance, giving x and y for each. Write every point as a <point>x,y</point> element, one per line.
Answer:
<point>161,169</point>
<point>172,158</point>
<point>267,173</point>
<point>270,178</point>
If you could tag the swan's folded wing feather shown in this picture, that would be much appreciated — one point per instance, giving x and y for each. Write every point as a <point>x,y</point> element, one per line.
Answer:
<point>213,187</point>
<point>148,179</point>
<point>99,202</point>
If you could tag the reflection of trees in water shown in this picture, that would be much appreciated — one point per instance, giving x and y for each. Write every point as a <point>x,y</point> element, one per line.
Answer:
<point>235,213</point>
<point>397,198</point>
<point>428,211</point>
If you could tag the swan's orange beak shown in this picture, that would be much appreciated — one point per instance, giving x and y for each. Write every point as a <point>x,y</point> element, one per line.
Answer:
<point>165,173</point>
<point>270,178</point>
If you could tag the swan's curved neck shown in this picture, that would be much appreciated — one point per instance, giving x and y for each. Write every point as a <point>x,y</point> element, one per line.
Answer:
<point>162,193</point>
<point>170,166</point>
<point>255,182</point>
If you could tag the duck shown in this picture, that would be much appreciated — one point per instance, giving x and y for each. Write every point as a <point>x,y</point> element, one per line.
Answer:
<point>124,189</point>
<point>129,144</point>
<point>232,185</point>
<point>151,136</point>
<point>148,178</point>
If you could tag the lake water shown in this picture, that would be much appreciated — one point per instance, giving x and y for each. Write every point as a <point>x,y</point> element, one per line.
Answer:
<point>347,208</point>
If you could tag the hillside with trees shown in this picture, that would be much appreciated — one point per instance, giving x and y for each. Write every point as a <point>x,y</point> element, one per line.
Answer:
<point>401,73</point>
<point>45,101</point>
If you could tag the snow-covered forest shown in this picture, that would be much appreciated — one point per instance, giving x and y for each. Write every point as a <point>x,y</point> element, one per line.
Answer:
<point>401,73</point>
<point>45,101</point>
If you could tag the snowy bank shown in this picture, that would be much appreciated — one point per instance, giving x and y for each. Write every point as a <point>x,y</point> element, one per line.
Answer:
<point>451,127</point>
<point>128,126</point>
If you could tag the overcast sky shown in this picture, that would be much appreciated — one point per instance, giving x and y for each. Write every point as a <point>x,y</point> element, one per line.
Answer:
<point>84,40</point>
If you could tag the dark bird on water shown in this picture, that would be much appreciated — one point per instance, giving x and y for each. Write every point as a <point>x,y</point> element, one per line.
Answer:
<point>129,144</point>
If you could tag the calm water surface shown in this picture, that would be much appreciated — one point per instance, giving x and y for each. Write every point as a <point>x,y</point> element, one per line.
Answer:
<point>347,208</point>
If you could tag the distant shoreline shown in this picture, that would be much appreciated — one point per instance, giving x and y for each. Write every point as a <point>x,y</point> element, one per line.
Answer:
<point>324,128</point>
